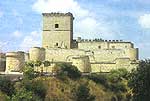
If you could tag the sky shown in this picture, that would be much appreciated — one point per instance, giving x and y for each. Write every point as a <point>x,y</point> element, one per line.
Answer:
<point>128,20</point>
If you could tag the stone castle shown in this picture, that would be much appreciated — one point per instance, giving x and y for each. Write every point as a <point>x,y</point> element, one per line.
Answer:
<point>59,46</point>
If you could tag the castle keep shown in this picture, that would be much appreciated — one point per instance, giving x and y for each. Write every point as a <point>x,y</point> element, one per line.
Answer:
<point>58,46</point>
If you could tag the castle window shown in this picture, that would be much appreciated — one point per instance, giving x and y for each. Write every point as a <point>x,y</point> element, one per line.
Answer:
<point>113,47</point>
<point>99,47</point>
<point>56,26</point>
<point>56,44</point>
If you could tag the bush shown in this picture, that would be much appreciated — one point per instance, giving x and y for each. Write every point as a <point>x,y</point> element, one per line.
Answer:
<point>83,94</point>
<point>37,87</point>
<point>28,73</point>
<point>117,75</point>
<point>6,86</point>
<point>99,78</point>
<point>64,69</point>
<point>24,95</point>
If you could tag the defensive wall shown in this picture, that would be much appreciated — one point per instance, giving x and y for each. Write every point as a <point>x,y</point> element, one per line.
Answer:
<point>15,61</point>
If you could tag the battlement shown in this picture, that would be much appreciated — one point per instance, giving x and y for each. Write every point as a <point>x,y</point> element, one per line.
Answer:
<point>79,40</point>
<point>57,14</point>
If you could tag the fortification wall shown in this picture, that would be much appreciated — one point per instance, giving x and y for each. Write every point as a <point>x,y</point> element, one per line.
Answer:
<point>15,61</point>
<point>118,63</point>
<point>132,53</point>
<point>2,62</point>
<point>82,63</point>
<point>27,58</point>
<point>92,45</point>
<point>107,55</point>
<point>57,38</point>
<point>99,60</point>
<point>62,55</point>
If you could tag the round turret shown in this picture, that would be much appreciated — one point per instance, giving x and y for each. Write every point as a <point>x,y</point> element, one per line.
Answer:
<point>2,62</point>
<point>82,63</point>
<point>26,57</point>
<point>15,61</point>
<point>37,54</point>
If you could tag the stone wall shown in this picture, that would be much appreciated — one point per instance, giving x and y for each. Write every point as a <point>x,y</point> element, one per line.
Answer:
<point>2,61</point>
<point>92,45</point>
<point>15,61</point>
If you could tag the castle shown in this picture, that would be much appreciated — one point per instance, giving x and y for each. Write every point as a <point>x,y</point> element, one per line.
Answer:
<point>58,46</point>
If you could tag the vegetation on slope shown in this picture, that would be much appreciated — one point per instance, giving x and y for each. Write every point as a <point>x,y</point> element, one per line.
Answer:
<point>68,84</point>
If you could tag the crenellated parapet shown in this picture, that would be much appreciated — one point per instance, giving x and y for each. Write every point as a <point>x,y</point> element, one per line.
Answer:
<point>53,14</point>
<point>79,39</point>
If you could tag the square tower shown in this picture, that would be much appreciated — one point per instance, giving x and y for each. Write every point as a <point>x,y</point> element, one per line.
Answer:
<point>57,30</point>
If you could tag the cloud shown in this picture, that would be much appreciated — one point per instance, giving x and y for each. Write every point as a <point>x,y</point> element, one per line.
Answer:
<point>2,45</point>
<point>144,21</point>
<point>1,13</point>
<point>144,1</point>
<point>31,40</point>
<point>85,24</point>
<point>90,28</point>
<point>144,49</point>
<point>18,16</point>
<point>45,6</point>
<point>17,34</point>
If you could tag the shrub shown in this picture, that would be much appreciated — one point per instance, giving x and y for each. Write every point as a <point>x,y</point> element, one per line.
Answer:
<point>83,94</point>
<point>6,86</point>
<point>64,69</point>
<point>99,78</point>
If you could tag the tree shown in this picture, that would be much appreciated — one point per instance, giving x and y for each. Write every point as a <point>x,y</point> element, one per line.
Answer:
<point>35,86</point>
<point>99,78</point>
<point>118,75</point>
<point>83,94</point>
<point>28,73</point>
<point>6,86</point>
<point>29,64</point>
<point>140,81</point>
<point>64,69</point>
<point>37,63</point>
<point>24,95</point>
<point>46,63</point>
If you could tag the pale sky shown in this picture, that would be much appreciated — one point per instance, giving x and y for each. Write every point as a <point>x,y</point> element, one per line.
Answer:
<point>129,20</point>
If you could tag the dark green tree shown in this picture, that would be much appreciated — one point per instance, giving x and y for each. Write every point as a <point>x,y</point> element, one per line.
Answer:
<point>140,81</point>
<point>24,95</point>
<point>37,63</point>
<point>28,73</point>
<point>30,64</point>
<point>6,86</point>
<point>37,87</point>
<point>83,94</point>
<point>46,63</point>
<point>65,69</point>
<point>99,78</point>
